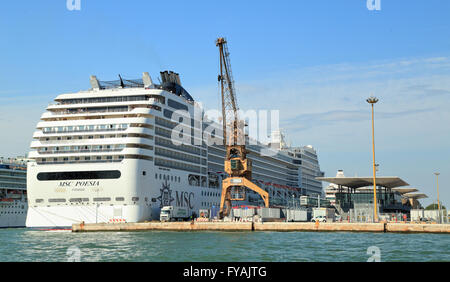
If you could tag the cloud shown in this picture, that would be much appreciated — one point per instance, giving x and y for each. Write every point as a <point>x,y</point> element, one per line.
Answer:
<point>424,90</point>
<point>306,121</point>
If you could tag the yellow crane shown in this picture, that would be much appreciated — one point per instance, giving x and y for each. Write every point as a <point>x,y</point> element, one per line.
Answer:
<point>238,167</point>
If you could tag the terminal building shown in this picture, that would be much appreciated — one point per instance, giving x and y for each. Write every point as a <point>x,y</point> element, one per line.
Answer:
<point>353,197</point>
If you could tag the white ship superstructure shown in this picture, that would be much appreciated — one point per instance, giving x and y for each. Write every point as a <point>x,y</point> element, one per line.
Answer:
<point>306,158</point>
<point>332,189</point>
<point>107,155</point>
<point>13,193</point>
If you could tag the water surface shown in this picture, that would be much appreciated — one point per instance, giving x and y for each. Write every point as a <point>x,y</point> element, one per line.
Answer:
<point>32,245</point>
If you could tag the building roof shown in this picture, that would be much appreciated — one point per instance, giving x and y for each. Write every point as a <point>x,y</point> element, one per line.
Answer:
<point>357,182</point>
<point>416,195</point>
<point>405,190</point>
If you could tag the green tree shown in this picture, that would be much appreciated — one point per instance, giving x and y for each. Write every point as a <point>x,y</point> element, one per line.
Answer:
<point>434,207</point>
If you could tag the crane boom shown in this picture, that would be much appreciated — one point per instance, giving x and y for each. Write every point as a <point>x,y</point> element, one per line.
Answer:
<point>229,103</point>
<point>238,167</point>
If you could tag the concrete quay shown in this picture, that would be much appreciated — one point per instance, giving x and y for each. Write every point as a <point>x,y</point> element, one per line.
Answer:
<point>418,228</point>
<point>165,226</point>
<point>325,226</point>
<point>265,226</point>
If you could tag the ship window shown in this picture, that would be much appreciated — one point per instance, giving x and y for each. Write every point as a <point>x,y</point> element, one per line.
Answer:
<point>120,199</point>
<point>56,200</point>
<point>104,199</point>
<point>39,200</point>
<point>74,175</point>
<point>176,105</point>
<point>135,199</point>
<point>78,200</point>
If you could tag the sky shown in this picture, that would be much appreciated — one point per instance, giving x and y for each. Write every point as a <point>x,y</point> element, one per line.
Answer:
<point>314,61</point>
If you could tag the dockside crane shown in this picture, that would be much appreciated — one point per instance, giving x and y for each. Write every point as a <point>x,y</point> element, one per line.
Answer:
<point>237,165</point>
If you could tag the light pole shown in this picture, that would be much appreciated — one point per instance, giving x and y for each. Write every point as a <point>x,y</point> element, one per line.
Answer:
<point>439,205</point>
<point>372,100</point>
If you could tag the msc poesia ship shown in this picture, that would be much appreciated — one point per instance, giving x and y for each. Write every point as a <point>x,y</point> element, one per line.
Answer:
<point>107,154</point>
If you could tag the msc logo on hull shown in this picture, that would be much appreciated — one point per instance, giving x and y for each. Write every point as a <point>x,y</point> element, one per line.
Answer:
<point>183,199</point>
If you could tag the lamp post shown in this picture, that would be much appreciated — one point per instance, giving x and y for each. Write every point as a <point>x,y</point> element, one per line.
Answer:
<point>439,205</point>
<point>372,100</point>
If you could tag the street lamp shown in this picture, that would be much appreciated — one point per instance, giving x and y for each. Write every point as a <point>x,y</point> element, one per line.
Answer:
<point>372,100</point>
<point>439,205</point>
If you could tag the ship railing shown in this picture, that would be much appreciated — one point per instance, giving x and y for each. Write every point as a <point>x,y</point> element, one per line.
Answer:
<point>12,161</point>
<point>56,142</point>
<point>85,130</point>
<point>108,100</point>
<point>82,111</point>
<point>6,186</point>
<point>80,161</point>
<point>81,151</point>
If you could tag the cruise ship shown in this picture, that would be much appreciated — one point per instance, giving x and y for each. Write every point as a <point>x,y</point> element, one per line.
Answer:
<point>13,193</point>
<point>108,155</point>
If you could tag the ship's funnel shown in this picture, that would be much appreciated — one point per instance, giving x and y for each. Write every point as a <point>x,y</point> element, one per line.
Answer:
<point>94,82</point>
<point>147,79</point>
<point>170,76</point>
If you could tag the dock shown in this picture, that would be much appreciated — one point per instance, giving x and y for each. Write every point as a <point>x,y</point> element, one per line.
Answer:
<point>264,226</point>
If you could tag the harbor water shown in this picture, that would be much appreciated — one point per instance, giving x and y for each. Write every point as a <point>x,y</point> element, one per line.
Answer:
<point>23,244</point>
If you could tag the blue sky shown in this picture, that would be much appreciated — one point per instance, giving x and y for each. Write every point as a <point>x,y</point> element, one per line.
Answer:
<point>315,61</point>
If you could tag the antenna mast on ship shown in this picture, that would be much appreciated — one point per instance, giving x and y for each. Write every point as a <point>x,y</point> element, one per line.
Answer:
<point>238,167</point>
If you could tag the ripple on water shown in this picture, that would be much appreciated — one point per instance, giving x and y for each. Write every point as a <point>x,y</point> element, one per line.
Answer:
<point>29,245</point>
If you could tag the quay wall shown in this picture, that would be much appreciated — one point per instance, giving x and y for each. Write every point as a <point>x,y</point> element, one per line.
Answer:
<point>264,226</point>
